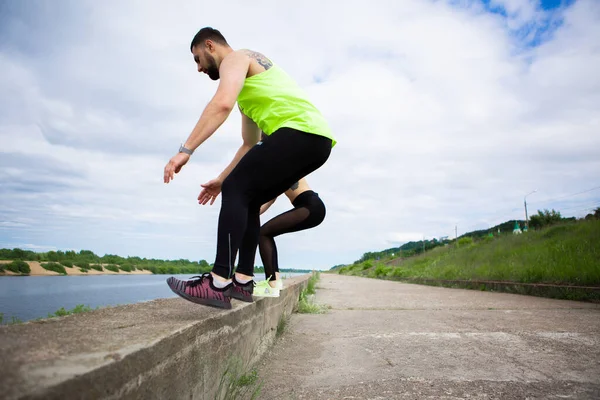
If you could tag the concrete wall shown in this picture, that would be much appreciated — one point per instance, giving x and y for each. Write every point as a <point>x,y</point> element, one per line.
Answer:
<point>163,349</point>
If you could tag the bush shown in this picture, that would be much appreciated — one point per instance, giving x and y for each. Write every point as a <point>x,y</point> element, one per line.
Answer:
<point>56,267</point>
<point>83,266</point>
<point>464,241</point>
<point>125,267</point>
<point>381,270</point>
<point>96,267</point>
<point>18,267</point>
<point>400,272</point>
<point>68,264</point>
<point>112,267</point>
<point>152,269</point>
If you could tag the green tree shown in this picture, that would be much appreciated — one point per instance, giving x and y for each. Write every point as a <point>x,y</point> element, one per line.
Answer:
<point>18,254</point>
<point>545,218</point>
<point>70,255</point>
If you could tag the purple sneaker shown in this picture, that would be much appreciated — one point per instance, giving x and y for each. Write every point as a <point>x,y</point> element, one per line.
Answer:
<point>202,291</point>
<point>242,291</point>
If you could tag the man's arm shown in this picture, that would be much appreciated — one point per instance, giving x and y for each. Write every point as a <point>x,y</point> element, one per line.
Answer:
<point>250,136</point>
<point>233,72</point>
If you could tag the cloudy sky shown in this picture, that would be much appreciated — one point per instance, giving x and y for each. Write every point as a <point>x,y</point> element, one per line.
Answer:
<point>447,113</point>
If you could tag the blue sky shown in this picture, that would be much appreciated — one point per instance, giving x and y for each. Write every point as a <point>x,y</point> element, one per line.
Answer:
<point>446,112</point>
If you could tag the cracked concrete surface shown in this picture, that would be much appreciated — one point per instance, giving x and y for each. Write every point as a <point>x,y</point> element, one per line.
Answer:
<point>390,340</point>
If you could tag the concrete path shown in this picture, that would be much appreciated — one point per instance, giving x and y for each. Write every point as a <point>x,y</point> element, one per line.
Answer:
<point>389,340</point>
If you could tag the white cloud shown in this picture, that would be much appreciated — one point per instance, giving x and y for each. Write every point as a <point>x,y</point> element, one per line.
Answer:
<point>443,116</point>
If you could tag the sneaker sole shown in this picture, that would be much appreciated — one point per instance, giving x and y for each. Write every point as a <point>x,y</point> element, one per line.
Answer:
<point>241,298</point>
<point>204,302</point>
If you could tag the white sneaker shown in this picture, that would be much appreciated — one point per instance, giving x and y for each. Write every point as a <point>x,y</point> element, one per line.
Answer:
<point>279,284</point>
<point>263,289</point>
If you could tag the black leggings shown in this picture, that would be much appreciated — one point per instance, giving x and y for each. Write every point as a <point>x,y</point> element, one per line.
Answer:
<point>265,172</point>
<point>308,212</point>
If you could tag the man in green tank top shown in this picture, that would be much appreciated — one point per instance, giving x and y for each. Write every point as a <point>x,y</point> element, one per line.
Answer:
<point>300,141</point>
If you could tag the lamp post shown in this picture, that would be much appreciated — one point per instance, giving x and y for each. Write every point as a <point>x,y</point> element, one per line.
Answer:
<point>525,202</point>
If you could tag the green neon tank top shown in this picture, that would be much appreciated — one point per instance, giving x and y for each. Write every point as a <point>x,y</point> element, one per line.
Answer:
<point>273,100</point>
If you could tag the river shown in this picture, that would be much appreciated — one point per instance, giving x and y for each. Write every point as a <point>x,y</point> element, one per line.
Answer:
<point>31,297</point>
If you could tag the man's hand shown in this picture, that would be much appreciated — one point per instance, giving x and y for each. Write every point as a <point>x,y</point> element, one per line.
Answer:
<point>210,191</point>
<point>174,165</point>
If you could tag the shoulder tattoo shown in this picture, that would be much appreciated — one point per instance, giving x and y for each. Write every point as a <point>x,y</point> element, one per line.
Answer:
<point>260,58</point>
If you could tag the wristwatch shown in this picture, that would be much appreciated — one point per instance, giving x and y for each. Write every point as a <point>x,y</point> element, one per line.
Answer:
<point>182,149</point>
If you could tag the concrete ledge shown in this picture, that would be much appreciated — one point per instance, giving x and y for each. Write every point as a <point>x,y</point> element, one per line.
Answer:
<point>162,349</point>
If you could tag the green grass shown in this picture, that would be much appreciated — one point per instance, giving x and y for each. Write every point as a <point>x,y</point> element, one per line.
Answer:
<point>238,381</point>
<point>282,325</point>
<point>79,308</point>
<point>562,255</point>
<point>567,254</point>
<point>312,282</point>
<point>56,267</point>
<point>13,320</point>
<point>306,304</point>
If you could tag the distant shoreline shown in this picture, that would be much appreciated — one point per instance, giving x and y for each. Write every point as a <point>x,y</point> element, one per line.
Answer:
<point>38,270</point>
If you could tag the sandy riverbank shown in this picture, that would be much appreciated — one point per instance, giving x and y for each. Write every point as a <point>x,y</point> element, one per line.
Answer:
<point>38,270</point>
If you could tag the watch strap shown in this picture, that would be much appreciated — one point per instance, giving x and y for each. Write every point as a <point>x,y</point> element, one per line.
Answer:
<point>183,149</point>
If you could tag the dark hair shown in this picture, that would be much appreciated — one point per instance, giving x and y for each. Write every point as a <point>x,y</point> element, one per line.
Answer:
<point>206,34</point>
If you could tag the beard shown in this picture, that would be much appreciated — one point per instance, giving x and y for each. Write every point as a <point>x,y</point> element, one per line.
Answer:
<point>212,70</point>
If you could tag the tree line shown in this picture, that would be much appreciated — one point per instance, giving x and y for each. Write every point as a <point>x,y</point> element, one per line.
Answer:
<point>87,259</point>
